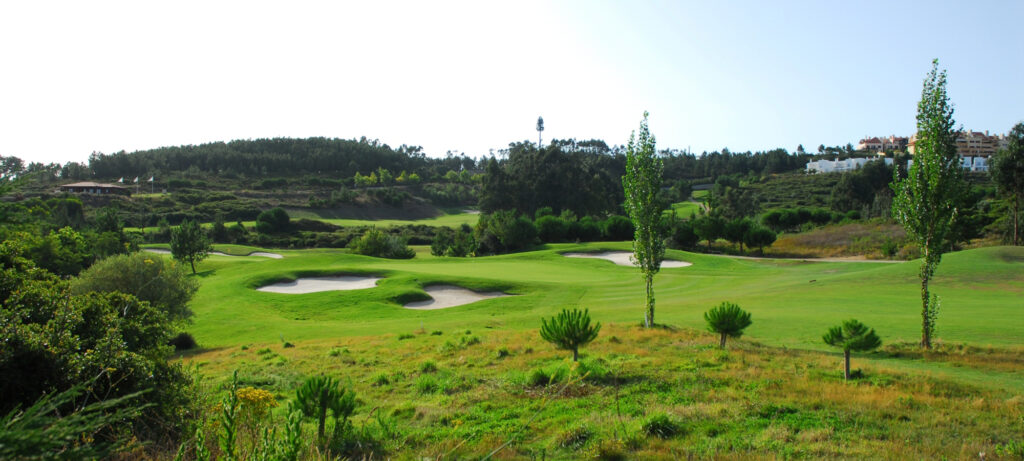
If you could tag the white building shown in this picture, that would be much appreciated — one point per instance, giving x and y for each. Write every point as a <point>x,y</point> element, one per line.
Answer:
<point>973,164</point>
<point>840,166</point>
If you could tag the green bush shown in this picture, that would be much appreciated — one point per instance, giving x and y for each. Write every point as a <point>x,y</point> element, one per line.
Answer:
<point>661,426</point>
<point>273,221</point>
<point>378,244</point>
<point>148,277</point>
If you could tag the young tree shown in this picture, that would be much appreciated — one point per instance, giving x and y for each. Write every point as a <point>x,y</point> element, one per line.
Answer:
<point>569,330</point>
<point>925,202</point>
<point>1008,173</point>
<point>190,244</point>
<point>164,284</point>
<point>727,320</point>
<point>322,393</point>
<point>641,184</point>
<point>852,336</point>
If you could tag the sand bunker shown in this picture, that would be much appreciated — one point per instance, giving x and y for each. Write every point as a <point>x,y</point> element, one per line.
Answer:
<point>217,253</point>
<point>622,258</point>
<point>450,296</point>
<point>317,284</point>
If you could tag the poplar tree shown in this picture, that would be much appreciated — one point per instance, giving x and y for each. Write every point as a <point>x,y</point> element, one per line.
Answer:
<point>641,183</point>
<point>925,201</point>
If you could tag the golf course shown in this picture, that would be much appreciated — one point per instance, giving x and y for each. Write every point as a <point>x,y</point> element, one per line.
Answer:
<point>465,380</point>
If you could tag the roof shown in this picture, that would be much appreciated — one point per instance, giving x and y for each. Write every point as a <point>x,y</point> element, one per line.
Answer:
<point>91,184</point>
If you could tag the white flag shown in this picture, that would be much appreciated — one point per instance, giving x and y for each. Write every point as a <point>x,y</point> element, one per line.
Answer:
<point>136,180</point>
<point>151,178</point>
<point>121,181</point>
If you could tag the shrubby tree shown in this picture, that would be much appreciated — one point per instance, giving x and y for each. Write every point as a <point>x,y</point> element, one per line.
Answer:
<point>504,232</point>
<point>1008,173</point>
<point>189,244</point>
<point>925,202</point>
<point>728,320</point>
<point>709,228</point>
<point>148,277</point>
<point>64,252</point>
<point>449,242</point>
<point>759,237</point>
<point>852,336</point>
<point>617,228</point>
<point>569,330</point>
<point>641,184</point>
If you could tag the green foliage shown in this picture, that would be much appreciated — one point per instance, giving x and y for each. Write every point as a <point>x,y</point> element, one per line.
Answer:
<point>273,221</point>
<point>55,340</point>
<point>47,430</point>
<point>852,336</point>
<point>759,237</point>
<point>189,244</point>
<point>148,277</point>
<point>551,229</point>
<point>503,232</point>
<point>378,244</point>
<point>457,243</point>
<point>728,320</point>
<point>569,330</point>
<point>320,394</point>
<point>709,228</point>
<point>64,252</point>
<point>925,202</point>
<point>229,421</point>
<point>641,184</point>
<point>617,228</point>
<point>1008,173</point>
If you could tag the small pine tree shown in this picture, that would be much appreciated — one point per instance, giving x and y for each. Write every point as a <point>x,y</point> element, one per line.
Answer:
<point>852,336</point>
<point>728,320</point>
<point>569,330</point>
<point>322,393</point>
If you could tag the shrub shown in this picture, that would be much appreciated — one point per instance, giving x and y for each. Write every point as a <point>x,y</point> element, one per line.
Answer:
<point>183,342</point>
<point>164,284</point>
<point>551,229</point>
<point>661,426</point>
<point>428,367</point>
<point>378,244</point>
<point>569,330</point>
<point>272,221</point>
<point>405,336</point>
<point>727,320</point>
<point>576,437</point>
<point>426,384</point>
<point>618,228</point>
<point>381,379</point>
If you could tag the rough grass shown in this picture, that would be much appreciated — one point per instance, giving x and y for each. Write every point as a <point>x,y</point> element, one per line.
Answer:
<point>667,393</point>
<point>840,240</point>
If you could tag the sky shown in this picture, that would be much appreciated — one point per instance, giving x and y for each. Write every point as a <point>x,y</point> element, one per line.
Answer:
<point>81,77</point>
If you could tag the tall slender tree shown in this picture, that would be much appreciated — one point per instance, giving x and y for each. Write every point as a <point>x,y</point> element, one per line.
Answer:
<point>1008,172</point>
<point>641,183</point>
<point>925,201</point>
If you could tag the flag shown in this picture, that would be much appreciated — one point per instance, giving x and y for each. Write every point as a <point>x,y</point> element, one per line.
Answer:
<point>151,178</point>
<point>136,180</point>
<point>121,181</point>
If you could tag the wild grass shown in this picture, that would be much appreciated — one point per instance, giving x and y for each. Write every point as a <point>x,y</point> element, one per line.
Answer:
<point>664,393</point>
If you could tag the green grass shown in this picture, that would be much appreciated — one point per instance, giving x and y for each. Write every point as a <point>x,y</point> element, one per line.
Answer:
<point>792,302</point>
<point>685,209</point>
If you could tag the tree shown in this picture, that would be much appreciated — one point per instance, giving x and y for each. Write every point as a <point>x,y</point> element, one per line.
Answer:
<point>189,244</point>
<point>569,330</point>
<point>759,237</point>
<point>1008,173</point>
<point>925,201</point>
<point>641,185</point>
<point>322,393</point>
<point>728,320</point>
<point>852,336</point>
<point>378,244</point>
<point>148,277</point>
<point>709,228</point>
<point>273,221</point>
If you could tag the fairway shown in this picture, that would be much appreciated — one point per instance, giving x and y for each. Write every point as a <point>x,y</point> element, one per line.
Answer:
<point>793,302</point>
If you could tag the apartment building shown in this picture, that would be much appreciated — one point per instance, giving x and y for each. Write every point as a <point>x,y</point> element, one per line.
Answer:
<point>973,144</point>
<point>892,142</point>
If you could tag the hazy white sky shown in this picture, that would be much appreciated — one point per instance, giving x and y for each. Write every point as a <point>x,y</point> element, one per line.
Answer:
<point>78,77</point>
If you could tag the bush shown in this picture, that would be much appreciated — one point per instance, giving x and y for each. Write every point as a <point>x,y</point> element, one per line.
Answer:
<point>273,221</point>
<point>618,228</point>
<point>378,244</point>
<point>584,230</point>
<point>183,342</point>
<point>148,277</point>
<point>576,437</point>
<point>551,229</point>
<point>661,426</point>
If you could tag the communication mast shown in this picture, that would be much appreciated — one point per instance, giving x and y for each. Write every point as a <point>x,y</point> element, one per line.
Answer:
<point>540,131</point>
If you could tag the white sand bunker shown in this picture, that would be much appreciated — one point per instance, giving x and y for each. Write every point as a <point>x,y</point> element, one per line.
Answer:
<point>317,284</point>
<point>622,258</point>
<point>264,254</point>
<point>450,296</point>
